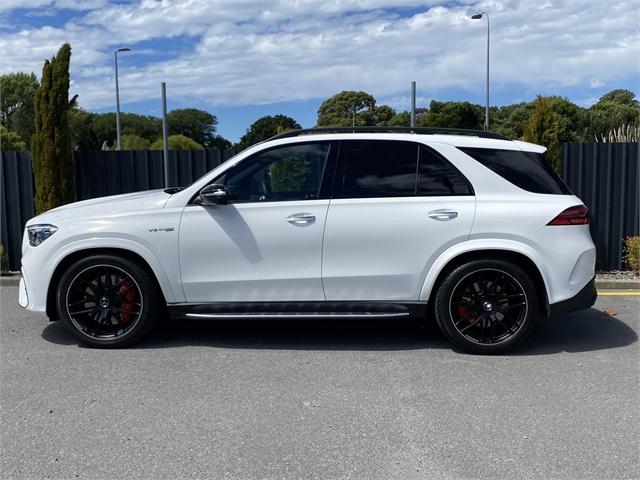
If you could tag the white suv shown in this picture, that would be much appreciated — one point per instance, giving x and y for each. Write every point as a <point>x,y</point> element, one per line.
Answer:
<point>468,226</point>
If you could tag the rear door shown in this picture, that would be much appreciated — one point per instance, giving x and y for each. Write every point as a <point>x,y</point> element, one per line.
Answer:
<point>396,206</point>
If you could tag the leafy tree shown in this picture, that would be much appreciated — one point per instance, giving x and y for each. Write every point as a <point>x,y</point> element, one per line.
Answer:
<point>353,108</point>
<point>18,93</point>
<point>569,117</point>
<point>621,97</point>
<point>104,127</point>
<point>193,123</point>
<point>220,143</point>
<point>452,115</point>
<point>403,119</point>
<point>266,127</point>
<point>542,129</point>
<point>177,142</point>
<point>383,114</point>
<point>51,152</point>
<point>342,108</point>
<point>83,135</point>
<point>10,141</point>
<point>131,141</point>
<point>613,110</point>
<point>510,120</point>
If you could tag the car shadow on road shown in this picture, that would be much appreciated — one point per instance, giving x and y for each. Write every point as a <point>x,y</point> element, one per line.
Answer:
<point>584,331</point>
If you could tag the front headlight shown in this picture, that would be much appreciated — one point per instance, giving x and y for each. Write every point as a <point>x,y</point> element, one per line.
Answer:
<point>39,233</point>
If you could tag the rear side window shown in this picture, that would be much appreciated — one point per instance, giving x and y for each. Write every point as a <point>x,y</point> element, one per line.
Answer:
<point>437,177</point>
<point>378,168</point>
<point>526,170</point>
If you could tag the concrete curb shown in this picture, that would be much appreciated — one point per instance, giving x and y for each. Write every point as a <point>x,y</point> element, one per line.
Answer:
<point>601,284</point>
<point>617,284</point>
<point>9,280</point>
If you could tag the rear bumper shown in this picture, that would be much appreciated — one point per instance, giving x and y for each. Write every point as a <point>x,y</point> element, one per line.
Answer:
<point>585,298</point>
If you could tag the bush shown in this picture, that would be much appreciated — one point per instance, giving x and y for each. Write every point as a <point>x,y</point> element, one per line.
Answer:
<point>177,142</point>
<point>131,141</point>
<point>4,260</point>
<point>632,253</point>
<point>11,141</point>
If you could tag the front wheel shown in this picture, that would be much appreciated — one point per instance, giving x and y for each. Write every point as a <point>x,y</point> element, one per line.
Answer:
<point>107,301</point>
<point>486,306</point>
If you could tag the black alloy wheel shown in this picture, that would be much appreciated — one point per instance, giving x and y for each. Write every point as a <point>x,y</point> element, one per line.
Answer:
<point>104,301</point>
<point>486,306</point>
<point>108,301</point>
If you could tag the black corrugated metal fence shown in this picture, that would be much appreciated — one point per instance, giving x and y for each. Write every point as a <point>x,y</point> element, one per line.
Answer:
<point>16,202</point>
<point>112,172</point>
<point>606,176</point>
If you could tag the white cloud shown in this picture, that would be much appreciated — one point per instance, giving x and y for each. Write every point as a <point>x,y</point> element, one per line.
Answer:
<point>252,52</point>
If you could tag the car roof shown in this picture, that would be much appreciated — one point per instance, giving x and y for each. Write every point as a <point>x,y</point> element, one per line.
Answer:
<point>455,140</point>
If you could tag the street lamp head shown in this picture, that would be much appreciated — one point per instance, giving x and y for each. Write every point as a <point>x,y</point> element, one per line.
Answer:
<point>123,49</point>
<point>477,16</point>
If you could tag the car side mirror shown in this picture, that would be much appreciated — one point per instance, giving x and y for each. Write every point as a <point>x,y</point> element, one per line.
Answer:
<point>214,194</point>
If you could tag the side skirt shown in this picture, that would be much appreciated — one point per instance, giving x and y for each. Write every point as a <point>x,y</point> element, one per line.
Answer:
<point>253,310</point>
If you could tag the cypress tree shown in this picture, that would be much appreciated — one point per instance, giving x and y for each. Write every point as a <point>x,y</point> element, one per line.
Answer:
<point>542,129</point>
<point>51,151</point>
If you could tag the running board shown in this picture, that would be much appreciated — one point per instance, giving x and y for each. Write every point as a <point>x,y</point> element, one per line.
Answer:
<point>299,315</point>
<point>300,310</point>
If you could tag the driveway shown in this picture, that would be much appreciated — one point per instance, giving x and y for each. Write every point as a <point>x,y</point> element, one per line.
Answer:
<point>321,399</point>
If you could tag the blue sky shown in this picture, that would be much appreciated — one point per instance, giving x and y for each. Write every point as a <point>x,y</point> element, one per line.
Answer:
<point>242,59</point>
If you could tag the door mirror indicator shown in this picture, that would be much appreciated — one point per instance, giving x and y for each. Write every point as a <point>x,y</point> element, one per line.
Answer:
<point>214,194</point>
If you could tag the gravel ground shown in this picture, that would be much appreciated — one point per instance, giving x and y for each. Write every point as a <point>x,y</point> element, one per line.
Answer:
<point>618,275</point>
<point>321,399</point>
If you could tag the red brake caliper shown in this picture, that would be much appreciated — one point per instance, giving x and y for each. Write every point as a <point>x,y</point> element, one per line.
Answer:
<point>128,296</point>
<point>463,312</point>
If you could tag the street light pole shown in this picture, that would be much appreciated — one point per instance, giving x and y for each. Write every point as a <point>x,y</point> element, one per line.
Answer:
<point>478,16</point>
<point>118,136</point>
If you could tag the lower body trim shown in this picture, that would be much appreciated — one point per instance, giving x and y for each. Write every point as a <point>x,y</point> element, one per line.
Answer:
<point>585,298</point>
<point>298,315</point>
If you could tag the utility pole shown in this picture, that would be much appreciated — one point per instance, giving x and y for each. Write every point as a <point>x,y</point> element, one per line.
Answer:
<point>165,135</point>
<point>413,104</point>
<point>118,135</point>
<point>478,16</point>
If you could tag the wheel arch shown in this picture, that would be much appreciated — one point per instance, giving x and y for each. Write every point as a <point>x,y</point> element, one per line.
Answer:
<point>76,255</point>
<point>519,258</point>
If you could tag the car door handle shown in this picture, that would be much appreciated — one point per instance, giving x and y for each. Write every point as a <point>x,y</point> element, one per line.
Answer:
<point>443,214</point>
<point>301,219</point>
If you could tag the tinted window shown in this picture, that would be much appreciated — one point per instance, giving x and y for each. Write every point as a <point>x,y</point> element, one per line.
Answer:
<point>281,173</point>
<point>438,177</point>
<point>526,170</point>
<point>378,168</point>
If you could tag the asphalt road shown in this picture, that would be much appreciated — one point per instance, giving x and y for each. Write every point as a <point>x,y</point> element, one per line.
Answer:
<point>321,399</point>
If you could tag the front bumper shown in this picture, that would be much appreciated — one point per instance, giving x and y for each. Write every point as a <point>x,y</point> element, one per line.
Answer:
<point>585,298</point>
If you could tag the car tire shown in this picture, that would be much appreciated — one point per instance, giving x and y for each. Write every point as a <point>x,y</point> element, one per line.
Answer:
<point>486,306</point>
<point>108,301</point>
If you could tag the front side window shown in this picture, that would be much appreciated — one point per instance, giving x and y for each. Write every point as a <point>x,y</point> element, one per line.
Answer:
<point>378,168</point>
<point>292,172</point>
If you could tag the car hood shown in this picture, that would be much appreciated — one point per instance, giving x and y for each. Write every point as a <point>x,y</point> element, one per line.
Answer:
<point>105,206</point>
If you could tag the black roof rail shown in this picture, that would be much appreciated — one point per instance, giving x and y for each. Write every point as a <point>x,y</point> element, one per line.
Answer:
<point>379,129</point>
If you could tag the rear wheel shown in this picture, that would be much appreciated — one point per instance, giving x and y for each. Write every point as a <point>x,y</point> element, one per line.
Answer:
<point>486,306</point>
<point>107,301</point>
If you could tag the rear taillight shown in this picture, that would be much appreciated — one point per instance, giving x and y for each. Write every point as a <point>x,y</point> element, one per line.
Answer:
<point>578,215</point>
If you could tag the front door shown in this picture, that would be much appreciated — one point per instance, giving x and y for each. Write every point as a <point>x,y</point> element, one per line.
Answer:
<point>266,244</point>
<point>397,205</point>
